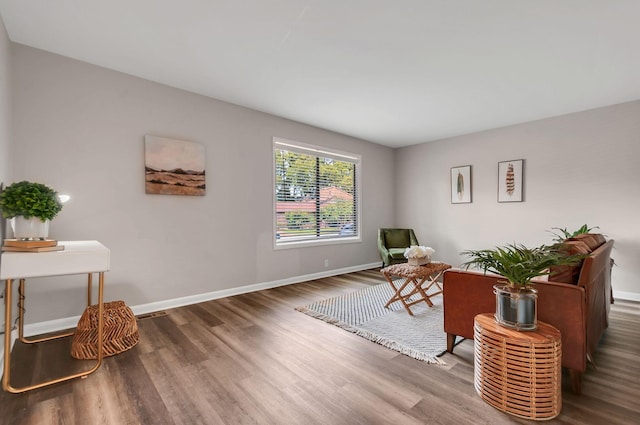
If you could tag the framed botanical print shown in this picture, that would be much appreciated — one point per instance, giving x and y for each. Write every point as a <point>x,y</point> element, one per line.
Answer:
<point>510,180</point>
<point>461,184</point>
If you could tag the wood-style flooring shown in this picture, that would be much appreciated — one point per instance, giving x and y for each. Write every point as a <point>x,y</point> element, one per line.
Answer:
<point>252,359</point>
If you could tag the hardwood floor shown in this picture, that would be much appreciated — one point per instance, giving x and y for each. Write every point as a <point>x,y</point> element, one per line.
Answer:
<point>252,359</point>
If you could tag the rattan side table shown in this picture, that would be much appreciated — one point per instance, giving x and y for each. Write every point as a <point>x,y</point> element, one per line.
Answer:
<point>518,372</point>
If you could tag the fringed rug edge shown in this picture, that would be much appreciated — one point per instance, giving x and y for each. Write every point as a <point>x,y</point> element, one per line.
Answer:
<point>401,348</point>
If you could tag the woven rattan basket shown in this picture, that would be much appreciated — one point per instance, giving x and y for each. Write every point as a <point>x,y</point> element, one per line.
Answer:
<point>120,331</point>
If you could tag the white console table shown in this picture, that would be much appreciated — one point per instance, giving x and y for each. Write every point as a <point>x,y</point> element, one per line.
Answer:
<point>78,257</point>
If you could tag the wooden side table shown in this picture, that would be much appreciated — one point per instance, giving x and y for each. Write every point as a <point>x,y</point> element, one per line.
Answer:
<point>518,372</point>
<point>418,280</point>
<point>78,257</point>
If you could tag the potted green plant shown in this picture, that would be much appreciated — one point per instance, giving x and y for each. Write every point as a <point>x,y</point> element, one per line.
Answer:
<point>30,206</point>
<point>516,301</point>
<point>564,234</point>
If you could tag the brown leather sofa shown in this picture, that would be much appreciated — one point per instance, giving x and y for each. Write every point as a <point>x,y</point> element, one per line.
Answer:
<point>579,310</point>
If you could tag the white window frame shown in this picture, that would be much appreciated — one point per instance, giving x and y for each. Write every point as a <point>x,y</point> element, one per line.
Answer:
<point>305,148</point>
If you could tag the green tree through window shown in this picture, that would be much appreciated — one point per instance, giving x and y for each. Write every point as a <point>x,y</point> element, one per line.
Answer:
<point>315,193</point>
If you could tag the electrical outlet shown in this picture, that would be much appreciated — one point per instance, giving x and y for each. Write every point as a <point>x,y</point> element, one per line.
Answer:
<point>326,263</point>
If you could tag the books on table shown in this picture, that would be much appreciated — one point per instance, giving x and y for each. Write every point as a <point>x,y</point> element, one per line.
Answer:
<point>36,245</point>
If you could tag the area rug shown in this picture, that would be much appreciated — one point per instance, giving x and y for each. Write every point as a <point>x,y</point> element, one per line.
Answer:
<point>420,336</point>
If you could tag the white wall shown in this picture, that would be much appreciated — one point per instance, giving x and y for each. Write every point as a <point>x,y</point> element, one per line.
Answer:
<point>5,128</point>
<point>80,129</point>
<point>579,168</point>
<point>5,104</point>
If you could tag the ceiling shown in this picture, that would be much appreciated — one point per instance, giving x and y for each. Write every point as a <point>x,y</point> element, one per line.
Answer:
<point>394,72</point>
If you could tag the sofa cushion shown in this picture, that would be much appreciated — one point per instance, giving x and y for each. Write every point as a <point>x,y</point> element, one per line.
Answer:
<point>569,274</point>
<point>592,240</point>
<point>397,253</point>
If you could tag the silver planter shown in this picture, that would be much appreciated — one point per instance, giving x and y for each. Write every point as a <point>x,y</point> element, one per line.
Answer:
<point>516,308</point>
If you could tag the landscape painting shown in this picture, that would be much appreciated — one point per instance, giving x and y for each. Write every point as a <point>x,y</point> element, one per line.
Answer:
<point>173,167</point>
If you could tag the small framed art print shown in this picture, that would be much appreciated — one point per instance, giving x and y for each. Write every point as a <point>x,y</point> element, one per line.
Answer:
<point>510,180</point>
<point>461,184</point>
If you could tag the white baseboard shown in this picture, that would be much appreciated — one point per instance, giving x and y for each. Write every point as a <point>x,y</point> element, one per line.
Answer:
<point>628,296</point>
<point>51,326</point>
<point>72,322</point>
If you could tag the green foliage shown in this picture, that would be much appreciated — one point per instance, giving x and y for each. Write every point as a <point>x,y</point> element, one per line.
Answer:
<point>338,174</point>
<point>298,219</point>
<point>295,175</point>
<point>563,233</point>
<point>299,176</point>
<point>517,263</point>
<point>337,213</point>
<point>29,199</point>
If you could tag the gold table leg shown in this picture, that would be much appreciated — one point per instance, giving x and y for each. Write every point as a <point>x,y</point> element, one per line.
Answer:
<point>7,333</point>
<point>6,379</point>
<point>21,310</point>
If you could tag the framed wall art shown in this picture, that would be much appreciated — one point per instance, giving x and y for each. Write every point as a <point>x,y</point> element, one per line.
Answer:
<point>510,180</point>
<point>173,167</point>
<point>461,184</point>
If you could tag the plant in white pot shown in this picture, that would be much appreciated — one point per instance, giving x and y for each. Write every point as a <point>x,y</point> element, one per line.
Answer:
<point>516,301</point>
<point>30,206</point>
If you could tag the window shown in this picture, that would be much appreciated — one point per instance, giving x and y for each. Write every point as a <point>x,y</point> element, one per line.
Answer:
<point>316,195</point>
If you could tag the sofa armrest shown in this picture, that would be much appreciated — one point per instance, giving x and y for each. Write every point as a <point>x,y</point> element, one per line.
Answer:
<point>465,295</point>
<point>563,305</point>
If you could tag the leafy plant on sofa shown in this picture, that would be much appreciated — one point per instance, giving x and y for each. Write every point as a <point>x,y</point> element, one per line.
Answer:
<point>563,233</point>
<point>28,199</point>
<point>517,263</point>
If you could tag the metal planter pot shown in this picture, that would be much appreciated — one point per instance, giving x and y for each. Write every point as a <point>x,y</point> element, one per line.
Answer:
<point>516,308</point>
